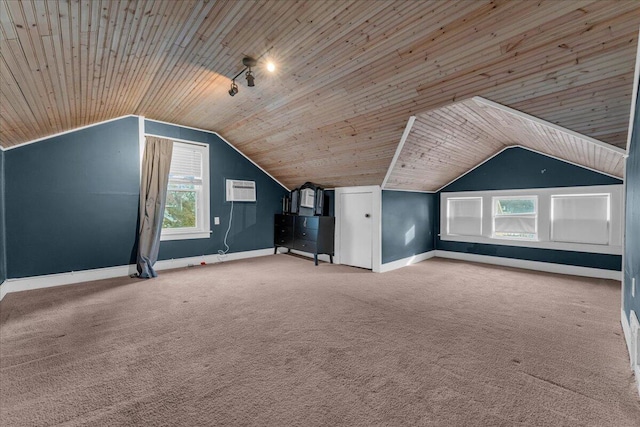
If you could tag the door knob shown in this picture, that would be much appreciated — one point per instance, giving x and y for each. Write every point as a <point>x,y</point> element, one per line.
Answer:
<point>367,215</point>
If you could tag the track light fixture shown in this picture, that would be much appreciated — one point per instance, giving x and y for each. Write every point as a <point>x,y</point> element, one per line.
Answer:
<point>250,79</point>
<point>234,88</point>
<point>248,63</point>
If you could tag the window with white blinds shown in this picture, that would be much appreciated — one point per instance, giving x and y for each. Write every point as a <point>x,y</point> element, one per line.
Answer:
<point>581,218</point>
<point>515,217</point>
<point>186,214</point>
<point>186,164</point>
<point>464,216</point>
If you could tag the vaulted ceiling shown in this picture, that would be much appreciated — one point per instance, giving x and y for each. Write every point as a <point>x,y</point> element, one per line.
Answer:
<point>350,73</point>
<point>442,144</point>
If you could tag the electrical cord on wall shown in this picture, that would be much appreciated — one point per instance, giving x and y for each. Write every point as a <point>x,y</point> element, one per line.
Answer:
<point>222,254</point>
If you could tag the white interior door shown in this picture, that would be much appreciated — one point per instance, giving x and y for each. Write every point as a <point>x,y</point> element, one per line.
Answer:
<point>356,229</point>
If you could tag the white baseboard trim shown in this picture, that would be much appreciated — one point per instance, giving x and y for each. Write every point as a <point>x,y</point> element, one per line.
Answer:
<point>168,264</point>
<point>394,265</point>
<point>533,265</point>
<point>61,279</point>
<point>626,328</point>
<point>631,328</point>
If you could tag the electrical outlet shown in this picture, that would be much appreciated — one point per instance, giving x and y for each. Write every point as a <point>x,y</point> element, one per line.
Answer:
<point>216,220</point>
<point>633,287</point>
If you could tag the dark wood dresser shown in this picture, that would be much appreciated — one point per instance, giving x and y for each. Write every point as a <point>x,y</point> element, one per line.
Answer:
<point>312,234</point>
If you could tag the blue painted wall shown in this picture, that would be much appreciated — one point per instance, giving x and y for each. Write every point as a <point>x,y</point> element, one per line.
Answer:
<point>632,232</point>
<point>407,224</point>
<point>72,201</point>
<point>519,168</point>
<point>3,248</point>
<point>329,203</point>
<point>252,225</point>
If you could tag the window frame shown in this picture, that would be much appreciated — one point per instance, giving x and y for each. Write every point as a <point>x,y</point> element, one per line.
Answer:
<point>204,230</point>
<point>616,192</point>
<point>494,214</point>
<point>608,197</point>
<point>448,217</point>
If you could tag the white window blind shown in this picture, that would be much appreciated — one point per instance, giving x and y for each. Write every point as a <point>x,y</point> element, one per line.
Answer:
<point>580,218</point>
<point>515,224</point>
<point>186,164</point>
<point>464,216</point>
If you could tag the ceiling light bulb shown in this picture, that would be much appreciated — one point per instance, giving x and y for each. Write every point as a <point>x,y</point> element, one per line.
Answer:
<point>271,67</point>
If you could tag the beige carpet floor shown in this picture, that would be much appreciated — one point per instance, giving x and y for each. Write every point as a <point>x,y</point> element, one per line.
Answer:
<point>275,341</point>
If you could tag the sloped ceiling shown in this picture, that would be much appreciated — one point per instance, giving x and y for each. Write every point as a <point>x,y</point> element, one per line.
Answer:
<point>445,143</point>
<point>349,72</point>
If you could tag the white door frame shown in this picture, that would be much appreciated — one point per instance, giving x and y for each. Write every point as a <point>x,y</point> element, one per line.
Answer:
<point>376,215</point>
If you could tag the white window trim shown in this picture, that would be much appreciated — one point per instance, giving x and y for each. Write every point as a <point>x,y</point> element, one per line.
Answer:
<point>544,218</point>
<point>196,233</point>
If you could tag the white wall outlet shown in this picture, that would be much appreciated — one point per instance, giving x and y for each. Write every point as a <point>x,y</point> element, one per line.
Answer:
<point>633,287</point>
<point>216,220</point>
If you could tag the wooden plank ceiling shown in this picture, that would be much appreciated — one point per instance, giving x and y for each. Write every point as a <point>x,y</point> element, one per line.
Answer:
<point>349,74</point>
<point>447,142</point>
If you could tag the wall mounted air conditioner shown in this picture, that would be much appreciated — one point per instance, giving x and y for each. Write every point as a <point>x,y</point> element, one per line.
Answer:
<point>241,191</point>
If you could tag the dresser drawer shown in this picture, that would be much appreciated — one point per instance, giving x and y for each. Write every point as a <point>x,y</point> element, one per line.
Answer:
<point>306,233</point>
<point>305,245</point>
<point>286,220</point>
<point>286,242</point>
<point>306,222</point>
<point>283,231</point>
<point>283,235</point>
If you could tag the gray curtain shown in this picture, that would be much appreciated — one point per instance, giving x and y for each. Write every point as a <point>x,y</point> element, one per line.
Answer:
<point>156,164</point>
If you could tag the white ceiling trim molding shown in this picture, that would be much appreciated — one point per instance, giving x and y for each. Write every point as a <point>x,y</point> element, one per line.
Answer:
<point>403,139</point>
<point>404,190</point>
<point>533,151</point>
<point>634,97</point>
<point>33,141</point>
<point>548,124</point>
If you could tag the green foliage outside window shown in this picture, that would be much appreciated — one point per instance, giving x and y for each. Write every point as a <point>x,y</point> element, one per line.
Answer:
<point>180,210</point>
<point>516,206</point>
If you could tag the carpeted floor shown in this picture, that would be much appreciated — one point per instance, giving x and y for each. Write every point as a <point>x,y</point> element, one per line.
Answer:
<point>275,341</point>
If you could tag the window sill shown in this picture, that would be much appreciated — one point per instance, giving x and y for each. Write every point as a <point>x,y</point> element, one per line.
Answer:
<point>185,235</point>
<point>515,239</point>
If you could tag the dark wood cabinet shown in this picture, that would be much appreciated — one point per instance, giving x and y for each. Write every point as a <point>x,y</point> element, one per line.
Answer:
<point>312,234</point>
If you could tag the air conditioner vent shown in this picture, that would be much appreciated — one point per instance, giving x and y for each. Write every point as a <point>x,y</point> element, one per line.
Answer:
<point>241,191</point>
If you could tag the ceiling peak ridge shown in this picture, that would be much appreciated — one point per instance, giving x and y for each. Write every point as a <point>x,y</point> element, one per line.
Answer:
<point>543,122</point>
